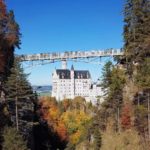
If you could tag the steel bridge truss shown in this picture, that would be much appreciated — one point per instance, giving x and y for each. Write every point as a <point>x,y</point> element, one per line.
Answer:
<point>91,56</point>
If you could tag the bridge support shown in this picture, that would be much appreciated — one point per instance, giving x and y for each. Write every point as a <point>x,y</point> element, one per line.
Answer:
<point>64,64</point>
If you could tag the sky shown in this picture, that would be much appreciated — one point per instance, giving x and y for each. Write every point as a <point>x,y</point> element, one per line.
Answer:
<point>67,25</point>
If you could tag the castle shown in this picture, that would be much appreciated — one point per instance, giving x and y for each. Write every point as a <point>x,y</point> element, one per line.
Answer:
<point>72,83</point>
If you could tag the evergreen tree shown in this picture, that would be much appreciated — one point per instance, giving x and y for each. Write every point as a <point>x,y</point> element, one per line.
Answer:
<point>113,82</point>
<point>106,75</point>
<point>17,86</point>
<point>136,30</point>
<point>97,143</point>
<point>142,78</point>
<point>13,140</point>
<point>97,139</point>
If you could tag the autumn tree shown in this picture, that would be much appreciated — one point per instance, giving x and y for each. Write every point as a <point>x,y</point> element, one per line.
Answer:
<point>67,119</point>
<point>126,117</point>
<point>76,122</point>
<point>9,39</point>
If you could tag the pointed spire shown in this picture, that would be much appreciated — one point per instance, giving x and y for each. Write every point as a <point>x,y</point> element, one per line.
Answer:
<point>72,68</point>
<point>64,64</point>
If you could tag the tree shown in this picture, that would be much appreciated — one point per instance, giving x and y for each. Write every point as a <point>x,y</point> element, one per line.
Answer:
<point>140,122</point>
<point>113,80</point>
<point>97,139</point>
<point>126,117</point>
<point>142,78</point>
<point>136,31</point>
<point>17,86</point>
<point>9,39</point>
<point>13,140</point>
<point>4,120</point>
<point>97,143</point>
<point>106,75</point>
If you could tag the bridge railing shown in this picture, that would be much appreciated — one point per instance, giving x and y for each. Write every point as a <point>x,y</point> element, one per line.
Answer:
<point>72,55</point>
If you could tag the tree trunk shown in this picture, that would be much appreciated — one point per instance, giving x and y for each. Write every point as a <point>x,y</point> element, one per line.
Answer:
<point>17,122</point>
<point>148,115</point>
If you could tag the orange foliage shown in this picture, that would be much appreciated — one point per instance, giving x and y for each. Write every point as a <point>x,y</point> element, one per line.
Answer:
<point>126,117</point>
<point>66,104</point>
<point>70,124</point>
<point>51,114</point>
<point>2,9</point>
<point>62,131</point>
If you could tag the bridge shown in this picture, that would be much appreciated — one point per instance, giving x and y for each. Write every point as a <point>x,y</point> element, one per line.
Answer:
<point>71,55</point>
<point>46,58</point>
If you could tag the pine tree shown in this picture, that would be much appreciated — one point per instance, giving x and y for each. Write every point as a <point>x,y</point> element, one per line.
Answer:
<point>113,80</point>
<point>95,127</point>
<point>13,140</point>
<point>136,30</point>
<point>97,137</point>
<point>142,78</point>
<point>17,86</point>
<point>106,76</point>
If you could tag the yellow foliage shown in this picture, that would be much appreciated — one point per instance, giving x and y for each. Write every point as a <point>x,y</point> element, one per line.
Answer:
<point>70,124</point>
<point>75,122</point>
<point>74,138</point>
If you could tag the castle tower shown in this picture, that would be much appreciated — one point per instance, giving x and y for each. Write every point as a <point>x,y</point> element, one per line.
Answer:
<point>72,82</point>
<point>64,64</point>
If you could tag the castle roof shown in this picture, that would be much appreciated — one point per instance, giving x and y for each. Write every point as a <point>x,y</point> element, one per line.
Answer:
<point>63,73</point>
<point>78,74</point>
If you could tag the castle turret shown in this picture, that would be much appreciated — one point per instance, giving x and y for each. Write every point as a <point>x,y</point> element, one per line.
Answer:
<point>64,64</point>
<point>72,82</point>
<point>72,72</point>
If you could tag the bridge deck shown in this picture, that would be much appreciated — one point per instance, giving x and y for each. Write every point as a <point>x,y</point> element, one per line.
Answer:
<point>72,55</point>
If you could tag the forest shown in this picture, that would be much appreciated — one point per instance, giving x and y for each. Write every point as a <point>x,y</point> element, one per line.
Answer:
<point>120,122</point>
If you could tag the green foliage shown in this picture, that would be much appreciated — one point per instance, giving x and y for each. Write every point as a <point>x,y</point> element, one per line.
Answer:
<point>117,80</point>
<point>136,30</point>
<point>13,140</point>
<point>140,121</point>
<point>4,119</point>
<point>142,78</point>
<point>17,88</point>
<point>106,75</point>
<point>17,84</point>
<point>4,116</point>
<point>112,82</point>
<point>97,139</point>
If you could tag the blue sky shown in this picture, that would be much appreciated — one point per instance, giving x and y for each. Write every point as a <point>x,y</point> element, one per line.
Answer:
<point>61,25</point>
